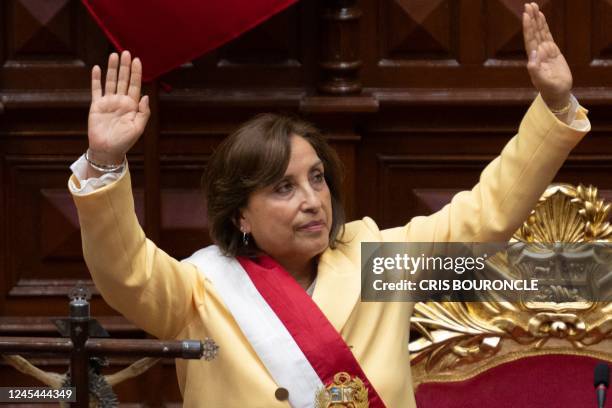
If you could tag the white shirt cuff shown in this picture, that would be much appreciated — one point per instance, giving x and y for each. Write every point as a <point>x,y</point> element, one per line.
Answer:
<point>79,169</point>
<point>570,117</point>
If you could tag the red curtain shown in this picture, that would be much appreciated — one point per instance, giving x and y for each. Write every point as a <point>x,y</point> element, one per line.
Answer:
<point>165,34</point>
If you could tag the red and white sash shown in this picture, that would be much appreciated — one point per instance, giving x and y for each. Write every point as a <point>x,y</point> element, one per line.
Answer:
<point>290,334</point>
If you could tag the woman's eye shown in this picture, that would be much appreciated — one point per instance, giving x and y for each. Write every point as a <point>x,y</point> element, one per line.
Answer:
<point>318,178</point>
<point>284,188</point>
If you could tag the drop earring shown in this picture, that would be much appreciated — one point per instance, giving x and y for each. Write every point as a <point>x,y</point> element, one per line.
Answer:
<point>245,237</point>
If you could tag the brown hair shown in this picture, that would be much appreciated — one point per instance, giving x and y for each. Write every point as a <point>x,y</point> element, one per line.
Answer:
<point>255,156</point>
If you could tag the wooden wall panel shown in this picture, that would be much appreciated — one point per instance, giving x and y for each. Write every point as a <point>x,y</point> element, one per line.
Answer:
<point>475,43</point>
<point>421,185</point>
<point>48,44</point>
<point>418,158</point>
<point>184,227</point>
<point>416,96</point>
<point>44,232</point>
<point>41,28</point>
<point>418,32</point>
<point>602,32</point>
<point>503,34</point>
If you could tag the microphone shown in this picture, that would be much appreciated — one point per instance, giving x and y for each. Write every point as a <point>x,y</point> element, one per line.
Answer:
<point>601,382</point>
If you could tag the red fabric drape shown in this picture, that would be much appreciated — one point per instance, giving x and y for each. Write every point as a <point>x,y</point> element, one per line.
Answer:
<point>165,34</point>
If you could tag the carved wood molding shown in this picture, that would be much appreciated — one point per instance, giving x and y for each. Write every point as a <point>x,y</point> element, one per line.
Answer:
<point>299,98</point>
<point>340,59</point>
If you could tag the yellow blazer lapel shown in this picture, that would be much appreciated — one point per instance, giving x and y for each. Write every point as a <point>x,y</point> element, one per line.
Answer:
<point>338,287</point>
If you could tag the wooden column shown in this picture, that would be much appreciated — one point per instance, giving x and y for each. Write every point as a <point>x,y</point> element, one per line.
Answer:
<point>152,188</point>
<point>339,53</point>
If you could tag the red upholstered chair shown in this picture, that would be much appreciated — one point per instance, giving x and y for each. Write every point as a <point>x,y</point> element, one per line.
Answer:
<point>525,354</point>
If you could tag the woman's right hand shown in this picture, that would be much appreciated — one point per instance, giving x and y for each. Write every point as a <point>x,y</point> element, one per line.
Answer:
<point>117,118</point>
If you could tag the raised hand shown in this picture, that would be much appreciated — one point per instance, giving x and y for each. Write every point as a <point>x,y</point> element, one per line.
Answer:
<point>547,67</point>
<point>117,118</point>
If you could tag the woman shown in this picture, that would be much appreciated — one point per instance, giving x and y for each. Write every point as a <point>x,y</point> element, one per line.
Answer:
<point>280,290</point>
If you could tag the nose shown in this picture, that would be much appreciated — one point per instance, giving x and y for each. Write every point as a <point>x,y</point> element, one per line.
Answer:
<point>311,201</point>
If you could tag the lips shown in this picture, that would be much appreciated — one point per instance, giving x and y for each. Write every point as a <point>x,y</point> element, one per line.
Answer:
<point>312,226</point>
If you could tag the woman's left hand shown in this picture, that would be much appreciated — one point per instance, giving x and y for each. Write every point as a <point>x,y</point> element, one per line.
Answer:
<point>547,67</point>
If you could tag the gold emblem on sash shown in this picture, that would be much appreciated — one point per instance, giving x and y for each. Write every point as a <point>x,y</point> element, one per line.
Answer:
<point>343,392</point>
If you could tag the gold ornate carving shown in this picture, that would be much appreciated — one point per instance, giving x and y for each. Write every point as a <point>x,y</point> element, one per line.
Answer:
<point>567,214</point>
<point>343,392</point>
<point>461,339</point>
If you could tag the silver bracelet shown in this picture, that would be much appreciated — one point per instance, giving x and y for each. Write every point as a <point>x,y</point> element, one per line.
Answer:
<point>563,110</point>
<point>103,168</point>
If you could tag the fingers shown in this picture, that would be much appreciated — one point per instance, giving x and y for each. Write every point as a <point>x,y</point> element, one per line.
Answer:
<point>124,73</point>
<point>123,77</point>
<point>537,34</point>
<point>135,80</point>
<point>542,30</point>
<point>531,9</point>
<point>533,63</point>
<point>531,12</point>
<point>96,84</point>
<point>143,105</point>
<point>551,49</point>
<point>111,74</point>
<point>538,23</point>
<point>530,37</point>
<point>546,35</point>
<point>143,113</point>
<point>531,43</point>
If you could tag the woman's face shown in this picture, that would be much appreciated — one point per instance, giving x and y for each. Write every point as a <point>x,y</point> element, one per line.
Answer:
<point>290,220</point>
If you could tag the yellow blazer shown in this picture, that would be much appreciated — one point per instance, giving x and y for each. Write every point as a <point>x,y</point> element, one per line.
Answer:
<point>171,300</point>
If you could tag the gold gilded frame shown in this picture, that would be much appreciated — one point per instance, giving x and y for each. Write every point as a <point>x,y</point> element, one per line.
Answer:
<point>463,339</point>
